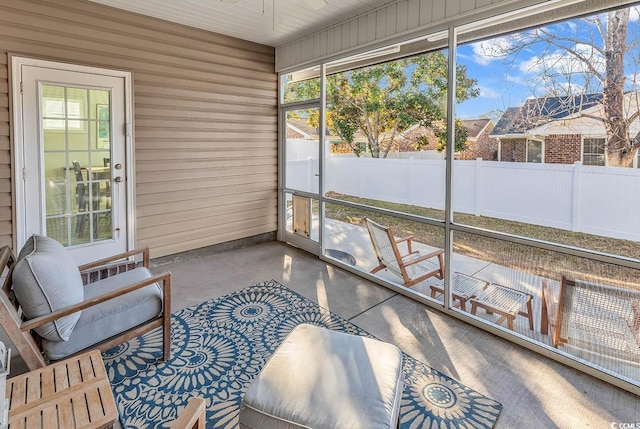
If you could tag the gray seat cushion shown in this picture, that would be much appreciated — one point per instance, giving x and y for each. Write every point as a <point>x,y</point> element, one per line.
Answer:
<point>112,317</point>
<point>320,378</point>
<point>46,279</point>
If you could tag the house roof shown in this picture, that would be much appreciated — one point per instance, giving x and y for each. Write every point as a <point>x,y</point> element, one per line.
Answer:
<point>538,111</point>
<point>475,126</point>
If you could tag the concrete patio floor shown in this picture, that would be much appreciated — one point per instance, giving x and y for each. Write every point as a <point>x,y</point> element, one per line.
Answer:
<point>536,392</point>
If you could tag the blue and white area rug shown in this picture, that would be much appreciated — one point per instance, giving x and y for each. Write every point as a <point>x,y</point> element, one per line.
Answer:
<point>219,346</point>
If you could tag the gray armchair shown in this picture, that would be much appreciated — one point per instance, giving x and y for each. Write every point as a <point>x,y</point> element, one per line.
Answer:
<point>49,315</point>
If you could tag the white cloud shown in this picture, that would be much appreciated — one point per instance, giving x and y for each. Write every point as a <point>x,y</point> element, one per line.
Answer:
<point>564,63</point>
<point>490,50</point>
<point>489,92</point>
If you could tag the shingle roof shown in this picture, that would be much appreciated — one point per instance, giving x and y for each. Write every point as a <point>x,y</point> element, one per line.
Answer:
<point>475,126</point>
<point>537,111</point>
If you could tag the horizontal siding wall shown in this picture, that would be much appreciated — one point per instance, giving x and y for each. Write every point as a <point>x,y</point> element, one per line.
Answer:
<point>410,19</point>
<point>205,109</point>
<point>397,21</point>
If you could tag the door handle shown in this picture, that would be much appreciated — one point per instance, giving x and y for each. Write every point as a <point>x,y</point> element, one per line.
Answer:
<point>118,179</point>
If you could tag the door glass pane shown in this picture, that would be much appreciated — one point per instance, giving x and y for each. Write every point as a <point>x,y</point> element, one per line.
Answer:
<point>76,144</point>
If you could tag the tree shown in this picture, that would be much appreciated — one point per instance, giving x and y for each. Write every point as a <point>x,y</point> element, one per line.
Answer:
<point>579,59</point>
<point>384,100</point>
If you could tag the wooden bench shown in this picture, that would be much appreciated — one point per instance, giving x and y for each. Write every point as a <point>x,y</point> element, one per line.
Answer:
<point>594,318</point>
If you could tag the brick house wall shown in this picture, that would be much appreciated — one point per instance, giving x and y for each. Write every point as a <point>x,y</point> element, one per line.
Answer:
<point>558,149</point>
<point>513,150</point>
<point>483,146</point>
<point>562,148</point>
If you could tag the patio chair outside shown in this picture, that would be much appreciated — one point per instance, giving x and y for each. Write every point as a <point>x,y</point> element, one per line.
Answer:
<point>593,318</point>
<point>413,267</point>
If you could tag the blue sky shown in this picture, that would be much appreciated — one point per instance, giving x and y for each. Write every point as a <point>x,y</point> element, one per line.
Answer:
<point>509,80</point>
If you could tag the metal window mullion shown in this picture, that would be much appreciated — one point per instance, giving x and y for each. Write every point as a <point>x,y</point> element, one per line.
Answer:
<point>451,141</point>
<point>321,154</point>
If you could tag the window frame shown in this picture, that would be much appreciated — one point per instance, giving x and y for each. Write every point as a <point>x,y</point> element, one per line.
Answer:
<point>583,153</point>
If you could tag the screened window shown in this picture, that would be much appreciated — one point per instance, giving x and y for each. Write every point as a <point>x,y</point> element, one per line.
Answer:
<point>593,151</point>
<point>534,151</point>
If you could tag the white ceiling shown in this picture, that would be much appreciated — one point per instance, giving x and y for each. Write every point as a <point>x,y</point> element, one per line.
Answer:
<point>290,20</point>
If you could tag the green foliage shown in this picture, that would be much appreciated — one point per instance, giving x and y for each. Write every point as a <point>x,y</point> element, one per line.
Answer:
<point>378,103</point>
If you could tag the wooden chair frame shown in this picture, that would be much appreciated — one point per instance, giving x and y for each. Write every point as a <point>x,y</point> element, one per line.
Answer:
<point>193,416</point>
<point>19,330</point>
<point>399,257</point>
<point>557,308</point>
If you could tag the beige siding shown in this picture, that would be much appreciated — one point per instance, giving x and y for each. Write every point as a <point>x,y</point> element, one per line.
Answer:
<point>205,109</point>
<point>404,20</point>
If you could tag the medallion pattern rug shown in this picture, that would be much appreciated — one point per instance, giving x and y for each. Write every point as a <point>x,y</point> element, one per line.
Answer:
<point>219,346</point>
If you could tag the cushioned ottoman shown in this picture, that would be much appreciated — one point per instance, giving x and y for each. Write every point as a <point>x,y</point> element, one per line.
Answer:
<point>320,378</point>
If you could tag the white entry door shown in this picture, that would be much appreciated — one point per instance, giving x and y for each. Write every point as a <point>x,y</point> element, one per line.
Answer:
<point>71,148</point>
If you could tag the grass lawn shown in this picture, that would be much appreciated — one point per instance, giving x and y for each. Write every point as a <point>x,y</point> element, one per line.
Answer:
<point>537,261</point>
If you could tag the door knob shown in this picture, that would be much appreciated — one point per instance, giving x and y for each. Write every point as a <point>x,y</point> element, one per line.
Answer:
<point>118,179</point>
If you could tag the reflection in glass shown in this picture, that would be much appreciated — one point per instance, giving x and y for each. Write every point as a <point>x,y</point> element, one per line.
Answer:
<point>77,141</point>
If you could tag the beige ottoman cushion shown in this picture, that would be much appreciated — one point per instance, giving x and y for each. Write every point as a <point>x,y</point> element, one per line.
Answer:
<point>320,378</point>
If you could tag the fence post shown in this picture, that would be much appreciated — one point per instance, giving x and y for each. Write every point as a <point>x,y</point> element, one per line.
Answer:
<point>478,186</point>
<point>575,196</point>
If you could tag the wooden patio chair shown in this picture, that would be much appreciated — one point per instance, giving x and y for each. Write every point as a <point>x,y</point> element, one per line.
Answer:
<point>49,315</point>
<point>193,416</point>
<point>413,267</point>
<point>593,318</point>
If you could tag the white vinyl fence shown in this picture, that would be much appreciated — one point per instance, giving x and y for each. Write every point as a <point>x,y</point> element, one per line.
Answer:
<point>595,200</point>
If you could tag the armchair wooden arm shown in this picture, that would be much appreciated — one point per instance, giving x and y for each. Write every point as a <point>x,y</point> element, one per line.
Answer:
<point>409,240</point>
<point>124,255</point>
<point>422,258</point>
<point>193,416</point>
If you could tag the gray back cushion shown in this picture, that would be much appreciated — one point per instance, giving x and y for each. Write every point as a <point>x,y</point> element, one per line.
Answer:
<point>46,279</point>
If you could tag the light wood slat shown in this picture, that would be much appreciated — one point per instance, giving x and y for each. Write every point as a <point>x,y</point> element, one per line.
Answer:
<point>4,98</point>
<point>33,388</point>
<point>50,415</point>
<point>33,420</point>
<point>47,384</point>
<point>18,395</point>
<point>94,405</point>
<point>82,397</point>
<point>61,377</point>
<point>65,414</point>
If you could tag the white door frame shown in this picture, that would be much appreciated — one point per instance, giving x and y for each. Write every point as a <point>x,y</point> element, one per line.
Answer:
<point>19,220</point>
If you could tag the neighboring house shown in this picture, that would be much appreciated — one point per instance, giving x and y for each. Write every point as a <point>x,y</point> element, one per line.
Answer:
<point>480,143</point>
<point>557,130</point>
